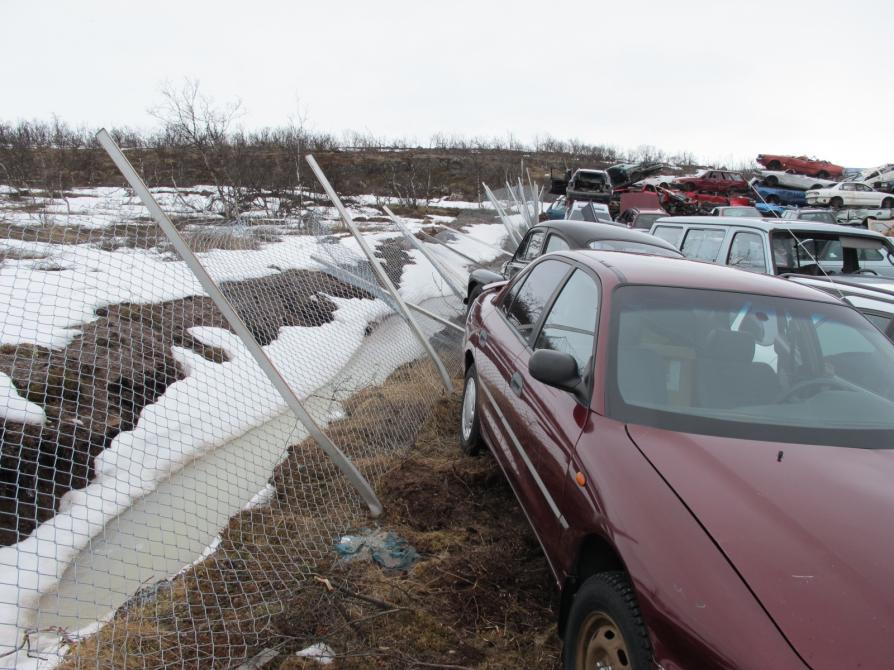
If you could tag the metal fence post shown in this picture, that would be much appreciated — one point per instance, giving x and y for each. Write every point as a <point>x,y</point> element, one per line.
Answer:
<point>425,252</point>
<point>501,214</point>
<point>238,325</point>
<point>380,272</point>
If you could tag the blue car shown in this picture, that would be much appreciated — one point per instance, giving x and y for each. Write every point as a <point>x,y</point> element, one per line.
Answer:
<point>780,196</point>
<point>557,209</point>
<point>770,210</point>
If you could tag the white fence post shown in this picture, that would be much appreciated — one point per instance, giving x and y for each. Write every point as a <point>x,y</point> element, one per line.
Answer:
<point>238,325</point>
<point>380,272</point>
<point>458,290</point>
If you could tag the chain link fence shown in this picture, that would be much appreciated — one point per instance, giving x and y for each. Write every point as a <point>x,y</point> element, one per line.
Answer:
<point>159,501</point>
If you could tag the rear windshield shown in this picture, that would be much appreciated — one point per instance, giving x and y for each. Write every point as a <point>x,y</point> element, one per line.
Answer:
<point>750,366</point>
<point>822,217</point>
<point>633,247</point>
<point>741,211</point>
<point>645,221</point>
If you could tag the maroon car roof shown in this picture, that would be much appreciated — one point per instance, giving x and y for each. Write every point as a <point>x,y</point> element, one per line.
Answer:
<point>624,268</point>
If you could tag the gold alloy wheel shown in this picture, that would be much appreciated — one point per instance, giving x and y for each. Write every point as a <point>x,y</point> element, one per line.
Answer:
<point>600,645</point>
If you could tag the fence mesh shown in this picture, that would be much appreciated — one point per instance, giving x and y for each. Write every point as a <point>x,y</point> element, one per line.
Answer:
<point>159,503</point>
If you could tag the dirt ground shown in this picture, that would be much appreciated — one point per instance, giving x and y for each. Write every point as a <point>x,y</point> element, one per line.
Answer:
<point>480,596</point>
<point>97,386</point>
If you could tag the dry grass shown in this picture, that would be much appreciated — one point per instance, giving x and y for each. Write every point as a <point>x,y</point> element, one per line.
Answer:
<point>480,597</point>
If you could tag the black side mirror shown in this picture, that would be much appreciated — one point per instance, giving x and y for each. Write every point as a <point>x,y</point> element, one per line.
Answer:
<point>555,368</point>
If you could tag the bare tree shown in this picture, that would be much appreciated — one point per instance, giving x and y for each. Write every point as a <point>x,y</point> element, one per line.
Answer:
<point>192,120</point>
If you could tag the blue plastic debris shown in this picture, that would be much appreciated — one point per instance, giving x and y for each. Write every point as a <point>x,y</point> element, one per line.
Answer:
<point>384,548</point>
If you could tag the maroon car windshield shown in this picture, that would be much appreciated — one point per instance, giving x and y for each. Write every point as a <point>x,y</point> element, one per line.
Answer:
<point>750,366</point>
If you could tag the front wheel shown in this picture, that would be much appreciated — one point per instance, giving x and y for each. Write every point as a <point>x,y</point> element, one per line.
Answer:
<point>836,203</point>
<point>773,199</point>
<point>887,203</point>
<point>469,427</point>
<point>605,628</point>
<point>774,165</point>
<point>822,174</point>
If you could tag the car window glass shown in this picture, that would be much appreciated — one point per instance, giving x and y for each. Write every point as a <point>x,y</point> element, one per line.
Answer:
<point>836,338</point>
<point>747,252</point>
<point>804,371</point>
<point>671,234</point>
<point>535,290</point>
<point>645,221</point>
<point>555,243</point>
<point>879,321</point>
<point>823,217</point>
<point>570,326</point>
<point>702,244</point>
<point>535,244</point>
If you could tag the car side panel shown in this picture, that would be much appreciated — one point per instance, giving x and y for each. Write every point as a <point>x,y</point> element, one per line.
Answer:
<point>497,359</point>
<point>687,591</point>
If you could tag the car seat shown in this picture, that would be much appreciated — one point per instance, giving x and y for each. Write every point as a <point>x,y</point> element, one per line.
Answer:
<point>727,375</point>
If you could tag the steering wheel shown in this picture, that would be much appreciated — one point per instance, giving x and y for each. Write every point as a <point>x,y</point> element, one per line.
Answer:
<point>818,383</point>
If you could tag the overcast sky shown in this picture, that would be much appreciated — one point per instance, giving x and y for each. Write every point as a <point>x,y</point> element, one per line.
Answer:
<point>723,80</point>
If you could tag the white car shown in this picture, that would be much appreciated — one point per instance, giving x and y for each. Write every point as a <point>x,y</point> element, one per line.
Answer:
<point>660,181</point>
<point>849,194</point>
<point>876,176</point>
<point>791,180</point>
<point>587,210</point>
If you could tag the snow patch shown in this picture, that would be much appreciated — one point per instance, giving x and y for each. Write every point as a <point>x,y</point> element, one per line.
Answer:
<point>17,409</point>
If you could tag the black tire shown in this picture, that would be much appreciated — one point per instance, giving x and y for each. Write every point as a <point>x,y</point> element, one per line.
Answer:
<point>772,180</point>
<point>774,165</point>
<point>836,203</point>
<point>478,290</point>
<point>887,203</point>
<point>773,199</point>
<point>815,187</point>
<point>822,174</point>
<point>470,433</point>
<point>605,624</point>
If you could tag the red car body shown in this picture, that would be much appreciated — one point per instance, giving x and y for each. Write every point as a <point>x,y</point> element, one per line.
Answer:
<point>714,181</point>
<point>739,558</point>
<point>811,167</point>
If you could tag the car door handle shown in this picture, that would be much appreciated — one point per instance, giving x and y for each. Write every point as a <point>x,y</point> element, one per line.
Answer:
<point>516,383</point>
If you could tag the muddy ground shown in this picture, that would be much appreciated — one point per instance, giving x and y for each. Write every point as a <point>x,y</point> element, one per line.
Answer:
<point>97,386</point>
<point>481,595</point>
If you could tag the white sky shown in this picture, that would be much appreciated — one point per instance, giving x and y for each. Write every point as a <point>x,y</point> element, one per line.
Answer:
<point>722,79</point>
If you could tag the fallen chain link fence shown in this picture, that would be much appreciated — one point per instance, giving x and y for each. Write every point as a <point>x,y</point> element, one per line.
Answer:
<point>159,499</point>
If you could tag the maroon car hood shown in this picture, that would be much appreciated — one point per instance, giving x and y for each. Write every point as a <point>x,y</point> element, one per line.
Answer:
<point>812,534</point>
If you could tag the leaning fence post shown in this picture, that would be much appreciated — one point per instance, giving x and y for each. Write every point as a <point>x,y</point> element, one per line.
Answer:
<point>238,325</point>
<point>441,270</point>
<point>380,272</point>
<point>501,214</point>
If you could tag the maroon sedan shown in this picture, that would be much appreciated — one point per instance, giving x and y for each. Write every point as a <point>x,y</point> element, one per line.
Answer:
<point>713,181</point>
<point>704,454</point>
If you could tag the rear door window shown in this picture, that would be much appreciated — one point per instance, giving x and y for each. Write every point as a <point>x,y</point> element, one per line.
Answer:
<point>536,288</point>
<point>747,252</point>
<point>535,245</point>
<point>555,243</point>
<point>672,234</point>
<point>702,244</point>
